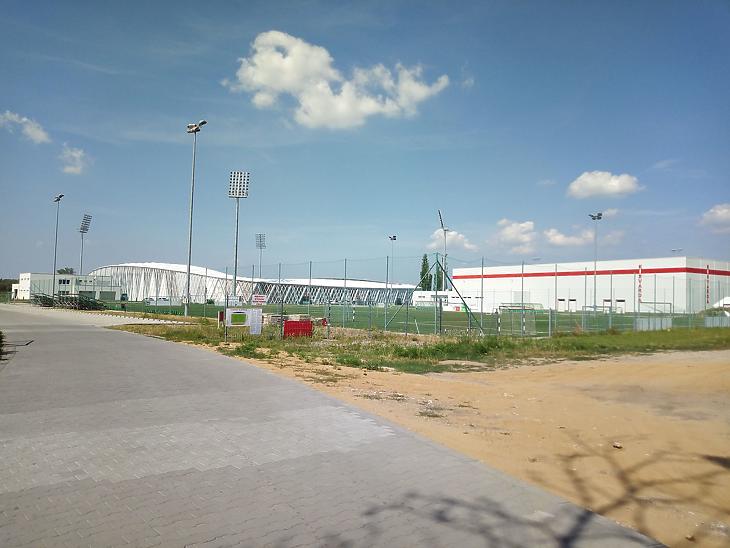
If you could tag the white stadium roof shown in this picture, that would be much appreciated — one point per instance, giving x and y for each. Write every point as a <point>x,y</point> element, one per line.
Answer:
<point>322,282</point>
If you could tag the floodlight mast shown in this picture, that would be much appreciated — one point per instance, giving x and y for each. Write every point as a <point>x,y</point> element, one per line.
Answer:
<point>194,129</point>
<point>595,217</point>
<point>83,229</point>
<point>237,188</point>
<point>57,201</point>
<point>260,245</point>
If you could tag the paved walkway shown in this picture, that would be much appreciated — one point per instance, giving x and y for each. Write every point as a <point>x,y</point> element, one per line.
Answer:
<point>109,438</point>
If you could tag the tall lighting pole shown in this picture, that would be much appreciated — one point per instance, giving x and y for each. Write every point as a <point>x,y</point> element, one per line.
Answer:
<point>443,266</point>
<point>260,245</point>
<point>237,188</point>
<point>194,129</point>
<point>595,217</point>
<point>83,229</point>
<point>392,239</point>
<point>57,201</point>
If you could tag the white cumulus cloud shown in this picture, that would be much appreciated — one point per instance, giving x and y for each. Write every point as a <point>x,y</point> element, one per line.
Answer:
<point>717,218</point>
<point>520,237</point>
<point>603,183</point>
<point>31,129</point>
<point>74,160</point>
<point>613,237</point>
<point>454,240</point>
<point>557,238</point>
<point>281,64</point>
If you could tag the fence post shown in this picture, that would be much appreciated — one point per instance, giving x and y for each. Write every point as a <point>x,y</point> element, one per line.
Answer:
<point>610,303</point>
<point>407,306</point>
<point>281,307</point>
<point>550,323</point>
<point>636,315</point>
<point>344,296</point>
<point>436,296</point>
<point>522,299</point>
<point>468,326</point>
<point>585,299</point>
<point>225,308</point>
<point>481,301</point>
<point>387,293</point>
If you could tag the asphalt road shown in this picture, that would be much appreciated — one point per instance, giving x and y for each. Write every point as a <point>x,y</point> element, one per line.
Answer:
<point>109,438</point>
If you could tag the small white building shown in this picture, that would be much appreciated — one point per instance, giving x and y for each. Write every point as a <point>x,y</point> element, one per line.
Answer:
<point>663,285</point>
<point>93,286</point>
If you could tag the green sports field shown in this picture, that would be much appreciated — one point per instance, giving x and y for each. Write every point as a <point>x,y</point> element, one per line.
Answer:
<point>422,320</point>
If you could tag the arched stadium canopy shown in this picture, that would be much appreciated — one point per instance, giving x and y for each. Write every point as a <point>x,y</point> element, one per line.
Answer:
<point>164,280</point>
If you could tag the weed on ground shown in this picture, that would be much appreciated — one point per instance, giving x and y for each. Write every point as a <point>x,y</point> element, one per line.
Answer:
<point>377,351</point>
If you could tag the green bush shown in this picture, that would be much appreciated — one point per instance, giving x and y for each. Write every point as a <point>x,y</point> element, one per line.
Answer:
<point>349,360</point>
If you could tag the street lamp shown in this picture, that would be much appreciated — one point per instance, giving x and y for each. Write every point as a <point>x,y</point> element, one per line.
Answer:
<point>260,245</point>
<point>57,201</point>
<point>677,251</point>
<point>443,266</point>
<point>83,229</point>
<point>392,239</point>
<point>194,129</point>
<point>237,188</point>
<point>595,217</point>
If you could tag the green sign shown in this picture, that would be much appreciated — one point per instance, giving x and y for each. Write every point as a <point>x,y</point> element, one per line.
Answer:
<point>238,318</point>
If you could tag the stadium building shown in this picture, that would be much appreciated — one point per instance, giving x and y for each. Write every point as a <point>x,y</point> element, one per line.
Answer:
<point>163,282</point>
<point>659,285</point>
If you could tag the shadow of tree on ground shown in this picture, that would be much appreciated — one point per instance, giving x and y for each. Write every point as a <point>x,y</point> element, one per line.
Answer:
<point>643,486</point>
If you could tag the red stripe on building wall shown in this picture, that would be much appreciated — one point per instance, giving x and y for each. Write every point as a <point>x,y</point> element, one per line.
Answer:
<point>617,272</point>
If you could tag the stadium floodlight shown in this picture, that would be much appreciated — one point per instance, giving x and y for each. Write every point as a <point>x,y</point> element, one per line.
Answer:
<point>443,267</point>
<point>83,229</point>
<point>57,201</point>
<point>595,217</point>
<point>194,129</point>
<point>237,188</point>
<point>260,245</point>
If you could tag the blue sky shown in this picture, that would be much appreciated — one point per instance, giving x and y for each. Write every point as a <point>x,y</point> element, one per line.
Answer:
<point>359,120</point>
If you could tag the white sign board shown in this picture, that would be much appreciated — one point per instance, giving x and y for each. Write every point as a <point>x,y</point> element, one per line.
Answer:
<point>252,318</point>
<point>258,300</point>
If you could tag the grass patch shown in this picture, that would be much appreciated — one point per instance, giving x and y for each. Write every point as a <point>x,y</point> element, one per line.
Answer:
<point>349,360</point>
<point>421,355</point>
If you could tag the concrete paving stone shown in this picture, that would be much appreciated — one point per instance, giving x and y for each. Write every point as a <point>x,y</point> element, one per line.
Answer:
<point>108,438</point>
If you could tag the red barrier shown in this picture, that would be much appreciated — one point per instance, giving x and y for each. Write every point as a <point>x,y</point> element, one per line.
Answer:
<point>301,328</point>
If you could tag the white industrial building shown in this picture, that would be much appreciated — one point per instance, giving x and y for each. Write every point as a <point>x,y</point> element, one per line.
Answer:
<point>163,281</point>
<point>90,285</point>
<point>661,285</point>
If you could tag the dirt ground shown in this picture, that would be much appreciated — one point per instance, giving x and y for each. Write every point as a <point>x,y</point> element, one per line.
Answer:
<point>644,440</point>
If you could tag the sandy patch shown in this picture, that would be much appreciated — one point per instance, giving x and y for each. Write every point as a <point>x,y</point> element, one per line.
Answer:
<point>644,440</point>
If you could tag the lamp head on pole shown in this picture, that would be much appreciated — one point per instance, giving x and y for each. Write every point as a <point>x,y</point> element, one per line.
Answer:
<point>260,241</point>
<point>58,198</point>
<point>195,128</point>
<point>596,216</point>
<point>85,224</point>
<point>238,184</point>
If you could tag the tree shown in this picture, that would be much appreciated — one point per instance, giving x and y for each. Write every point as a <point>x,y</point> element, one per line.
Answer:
<point>65,270</point>
<point>426,277</point>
